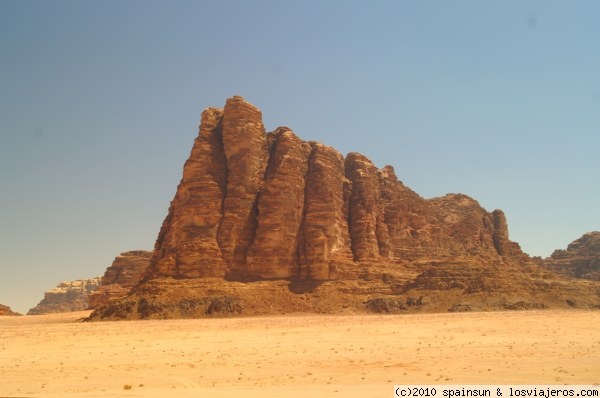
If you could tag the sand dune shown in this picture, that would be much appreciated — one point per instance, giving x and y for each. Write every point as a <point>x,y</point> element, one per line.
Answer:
<point>294,356</point>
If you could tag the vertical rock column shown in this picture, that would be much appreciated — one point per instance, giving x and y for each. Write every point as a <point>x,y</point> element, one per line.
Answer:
<point>500,234</point>
<point>363,206</point>
<point>280,209</point>
<point>387,211</point>
<point>246,150</point>
<point>324,235</point>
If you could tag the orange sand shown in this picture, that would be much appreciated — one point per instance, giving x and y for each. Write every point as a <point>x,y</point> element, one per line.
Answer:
<point>294,356</point>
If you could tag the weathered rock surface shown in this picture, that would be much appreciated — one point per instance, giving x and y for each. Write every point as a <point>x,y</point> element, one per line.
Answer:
<point>280,205</point>
<point>5,310</point>
<point>124,273</point>
<point>323,240</point>
<point>246,152</point>
<point>66,297</point>
<point>581,259</point>
<point>253,205</point>
<point>268,219</point>
<point>187,245</point>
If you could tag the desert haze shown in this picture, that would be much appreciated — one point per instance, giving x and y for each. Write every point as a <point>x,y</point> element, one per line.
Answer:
<point>294,355</point>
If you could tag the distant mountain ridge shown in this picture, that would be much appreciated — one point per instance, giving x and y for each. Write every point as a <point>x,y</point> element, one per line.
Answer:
<point>5,310</point>
<point>124,273</point>
<point>581,259</point>
<point>67,296</point>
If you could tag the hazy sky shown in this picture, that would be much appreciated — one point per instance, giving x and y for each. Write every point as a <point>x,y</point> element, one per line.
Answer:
<point>100,103</point>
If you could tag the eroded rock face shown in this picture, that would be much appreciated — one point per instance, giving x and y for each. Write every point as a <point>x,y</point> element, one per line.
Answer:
<point>364,207</point>
<point>280,208</point>
<point>5,310</point>
<point>124,273</point>
<point>253,205</point>
<point>246,150</point>
<point>581,259</point>
<point>66,297</point>
<point>323,236</point>
<point>267,223</point>
<point>187,245</point>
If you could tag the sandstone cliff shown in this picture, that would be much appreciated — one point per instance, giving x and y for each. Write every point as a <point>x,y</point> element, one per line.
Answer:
<point>124,273</point>
<point>66,297</point>
<point>265,222</point>
<point>4,310</point>
<point>581,259</point>
<point>255,205</point>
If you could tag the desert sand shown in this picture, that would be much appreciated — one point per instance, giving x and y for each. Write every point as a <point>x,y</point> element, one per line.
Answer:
<point>294,355</point>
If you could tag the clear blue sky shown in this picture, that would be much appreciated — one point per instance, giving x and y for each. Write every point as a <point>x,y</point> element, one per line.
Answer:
<point>100,102</point>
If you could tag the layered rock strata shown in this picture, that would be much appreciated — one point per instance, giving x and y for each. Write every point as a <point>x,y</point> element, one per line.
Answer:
<point>66,297</point>
<point>255,205</point>
<point>581,259</point>
<point>123,274</point>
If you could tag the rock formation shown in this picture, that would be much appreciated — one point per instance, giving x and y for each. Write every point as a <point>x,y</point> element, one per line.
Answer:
<point>253,205</point>
<point>258,212</point>
<point>4,310</point>
<point>66,297</point>
<point>125,272</point>
<point>580,260</point>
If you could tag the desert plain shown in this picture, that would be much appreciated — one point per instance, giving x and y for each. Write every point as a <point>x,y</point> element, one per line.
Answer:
<point>299,355</point>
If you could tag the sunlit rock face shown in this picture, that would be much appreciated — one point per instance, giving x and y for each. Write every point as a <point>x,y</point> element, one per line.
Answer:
<point>256,205</point>
<point>66,297</point>
<point>266,223</point>
<point>120,277</point>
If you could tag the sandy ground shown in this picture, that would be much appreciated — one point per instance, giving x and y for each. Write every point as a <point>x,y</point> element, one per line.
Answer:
<point>294,356</point>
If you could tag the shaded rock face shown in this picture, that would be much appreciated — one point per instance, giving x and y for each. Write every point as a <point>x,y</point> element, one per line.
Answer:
<point>4,310</point>
<point>124,273</point>
<point>265,223</point>
<point>66,297</point>
<point>581,259</point>
<point>254,205</point>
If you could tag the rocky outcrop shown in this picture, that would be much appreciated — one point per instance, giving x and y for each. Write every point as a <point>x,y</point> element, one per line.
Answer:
<point>66,297</point>
<point>581,259</point>
<point>124,273</point>
<point>253,205</point>
<point>268,210</point>
<point>4,310</point>
<point>187,245</point>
